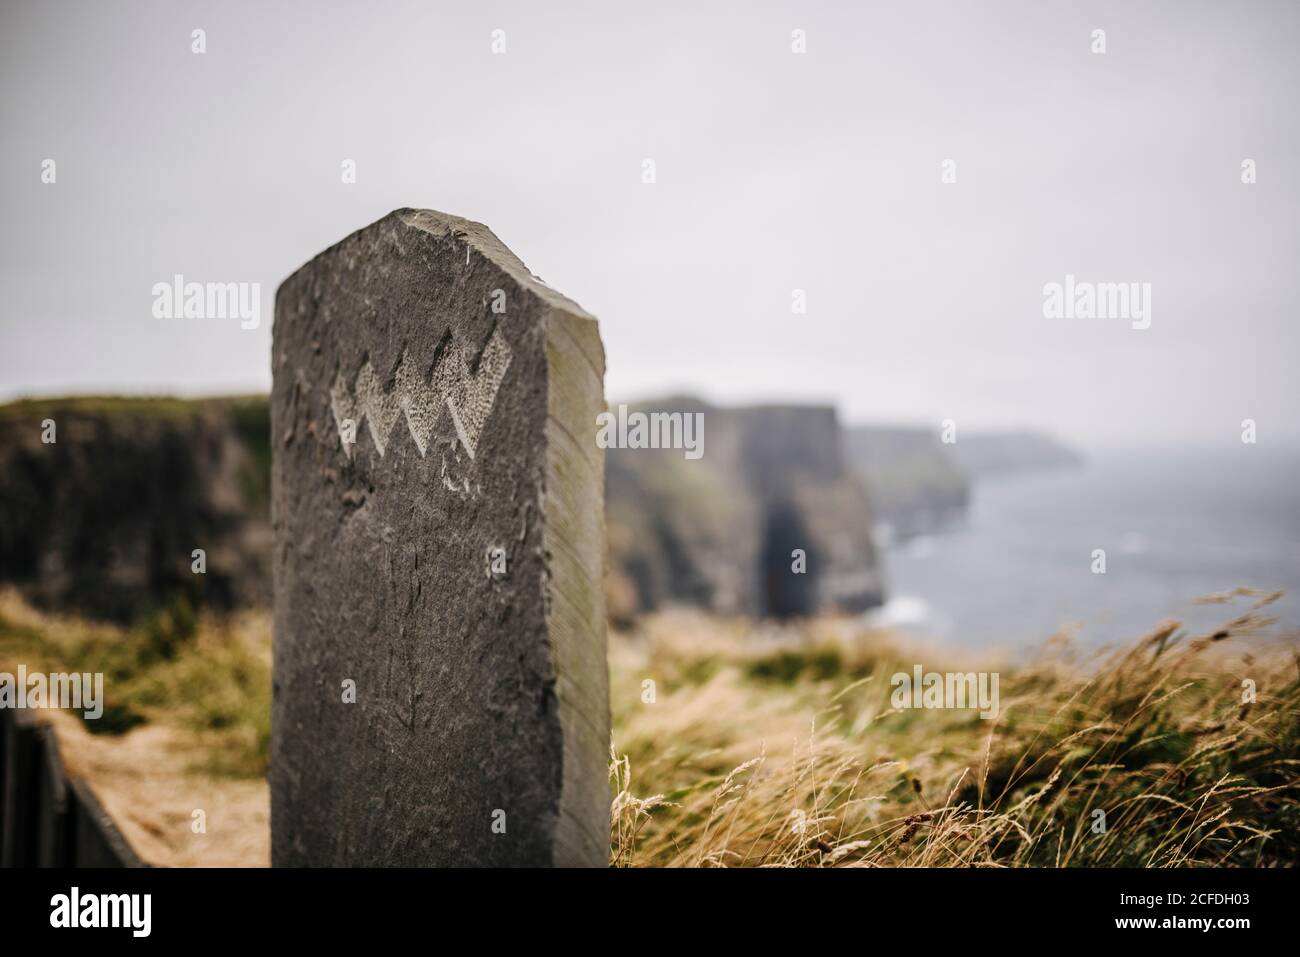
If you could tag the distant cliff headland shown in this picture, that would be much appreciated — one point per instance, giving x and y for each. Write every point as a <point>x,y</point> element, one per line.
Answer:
<point>918,483</point>
<point>107,519</point>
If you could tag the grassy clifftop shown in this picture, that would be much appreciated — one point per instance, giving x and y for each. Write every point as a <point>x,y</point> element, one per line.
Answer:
<point>759,745</point>
<point>784,749</point>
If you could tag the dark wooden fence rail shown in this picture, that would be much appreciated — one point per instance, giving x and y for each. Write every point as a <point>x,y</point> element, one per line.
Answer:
<point>47,818</point>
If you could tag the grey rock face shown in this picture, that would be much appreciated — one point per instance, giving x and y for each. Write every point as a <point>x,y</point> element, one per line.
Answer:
<point>913,479</point>
<point>438,516</point>
<point>720,533</point>
<point>105,519</point>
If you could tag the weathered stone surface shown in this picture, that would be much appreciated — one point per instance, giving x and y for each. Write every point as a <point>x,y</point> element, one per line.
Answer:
<point>481,695</point>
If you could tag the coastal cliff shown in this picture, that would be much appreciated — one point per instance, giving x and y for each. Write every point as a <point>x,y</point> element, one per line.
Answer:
<point>103,502</point>
<point>768,520</point>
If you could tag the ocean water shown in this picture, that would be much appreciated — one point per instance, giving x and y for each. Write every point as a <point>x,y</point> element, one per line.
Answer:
<point>1174,526</point>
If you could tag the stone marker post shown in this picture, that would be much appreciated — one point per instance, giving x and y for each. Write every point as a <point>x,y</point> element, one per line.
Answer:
<point>441,688</point>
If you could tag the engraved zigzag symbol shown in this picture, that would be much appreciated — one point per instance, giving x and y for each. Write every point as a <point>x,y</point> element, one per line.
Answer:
<point>469,398</point>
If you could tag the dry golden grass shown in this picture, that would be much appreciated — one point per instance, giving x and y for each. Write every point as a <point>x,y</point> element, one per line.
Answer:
<point>781,749</point>
<point>771,746</point>
<point>209,676</point>
<point>185,726</point>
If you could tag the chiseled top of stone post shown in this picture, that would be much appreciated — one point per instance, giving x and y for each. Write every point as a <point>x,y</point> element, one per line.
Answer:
<point>441,690</point>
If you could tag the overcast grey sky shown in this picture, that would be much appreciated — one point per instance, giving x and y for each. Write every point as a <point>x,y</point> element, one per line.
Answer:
<point>775,171</point>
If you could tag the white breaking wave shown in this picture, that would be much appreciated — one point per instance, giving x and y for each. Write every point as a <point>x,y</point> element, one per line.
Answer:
<point>900,611</point>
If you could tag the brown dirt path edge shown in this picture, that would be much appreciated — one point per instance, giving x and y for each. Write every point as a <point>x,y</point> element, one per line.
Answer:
<point>144,781</point>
